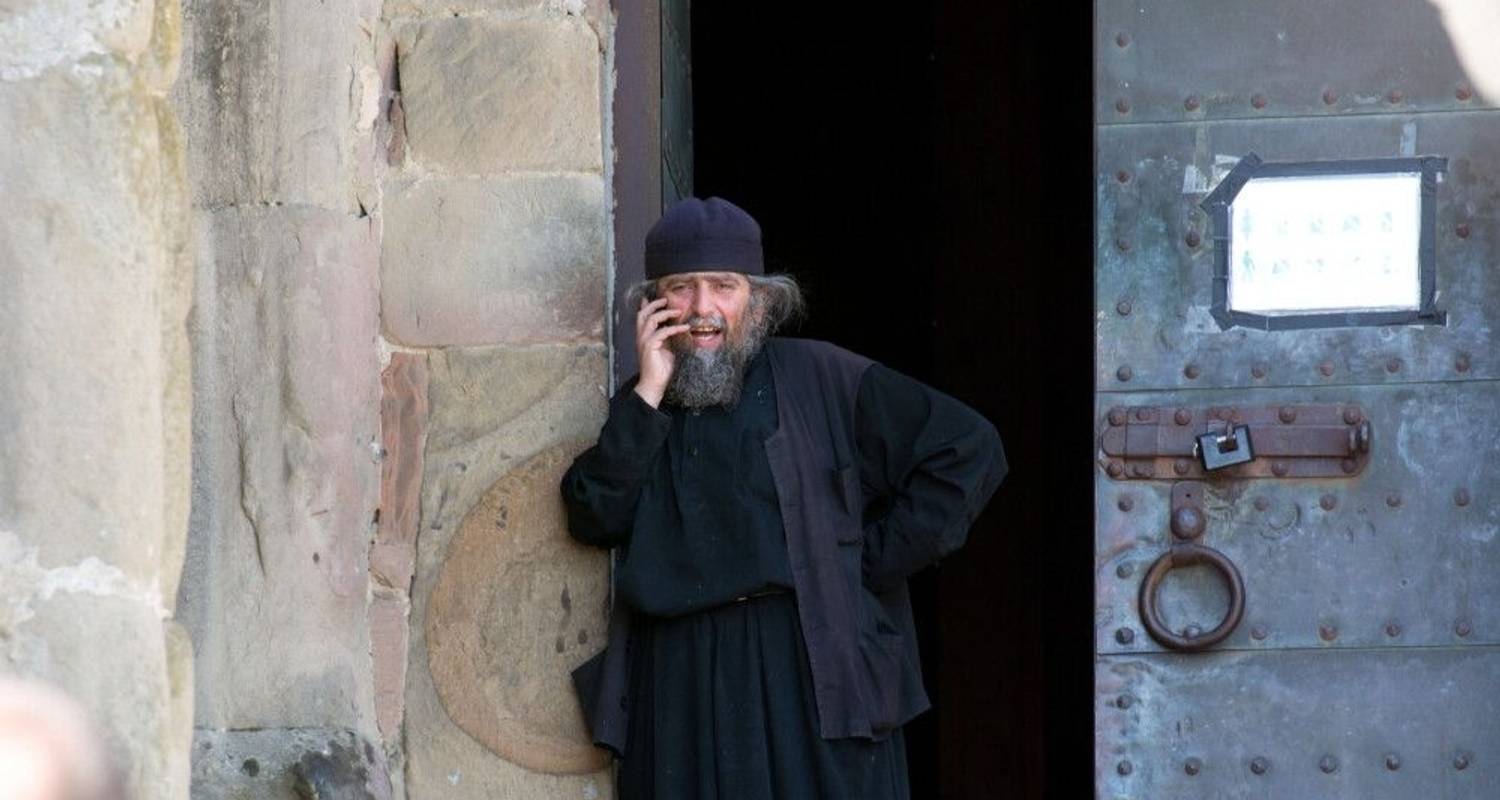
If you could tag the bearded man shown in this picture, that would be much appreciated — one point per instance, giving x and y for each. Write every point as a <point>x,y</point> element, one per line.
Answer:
<point>768,498</point>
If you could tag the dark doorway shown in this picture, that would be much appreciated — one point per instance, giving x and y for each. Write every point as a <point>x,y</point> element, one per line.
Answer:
<point>928,175</point>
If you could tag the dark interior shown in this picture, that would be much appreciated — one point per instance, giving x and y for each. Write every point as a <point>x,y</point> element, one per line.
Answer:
<point>928,176</point>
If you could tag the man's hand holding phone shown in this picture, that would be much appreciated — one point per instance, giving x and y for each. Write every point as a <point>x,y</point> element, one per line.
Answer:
<point>656,359</point>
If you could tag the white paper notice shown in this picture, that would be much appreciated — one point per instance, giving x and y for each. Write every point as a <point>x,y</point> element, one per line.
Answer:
<point>1335,243</point>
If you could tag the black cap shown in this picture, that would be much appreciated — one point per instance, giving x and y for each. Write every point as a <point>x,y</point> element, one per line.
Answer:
<point>712,235</point>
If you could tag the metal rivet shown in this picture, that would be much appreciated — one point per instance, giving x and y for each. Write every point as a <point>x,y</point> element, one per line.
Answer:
<point>1393,500</point>
<point>1192,766</point>
<point>1259,632</point>
<point>1123,245</point>
<point>1125,570</point>
<point>1124,701</point>
<point>1352,416</point>
<point>1190,102</point>
<point>1193,239</point>
<point>1461,497</point>
<point>1182,416</point>
<point>1258,371</point>
<point>1143,414</point>
<point>1124,373</point>
<point>1117,416</point>
<point>1287,414</point>
<point>1463,92</point>
<point>1261,504</point>
<point>1123,308</point>
<point>1461,761</point>
<point>1392,629</point>
<point>1258,100</point>
<point>1259,765</point>
<point>1328,502</point>
<point>1182,466</point>
<point>1143,470</point>
<point>1122,106</point>
<point>1125,503</point>
<point>1192,632</point>
<point>1188,522</point>
<point>1280,469</point>
<point>1115,469</point>
<point>1395,96</point>
<point>1330,97</point>
<point>1327,633</point>
<point>1461,362</point>
<point>1124,635</point>
<point>1349,465</point>
<point>1123,176</point>
<point>1328,764</point>
<point>1191,372</point>
<point>1393,366</point>
<point>1462,230</point>
<point>1124,768</point>
<point>1122,39</point>
<point>1463,628</point>
<point>1392,762</point>
<point>1326,368</point>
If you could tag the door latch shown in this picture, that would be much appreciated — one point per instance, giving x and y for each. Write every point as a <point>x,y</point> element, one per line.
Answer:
<point>1220,450</point>
<point>1185,443</point>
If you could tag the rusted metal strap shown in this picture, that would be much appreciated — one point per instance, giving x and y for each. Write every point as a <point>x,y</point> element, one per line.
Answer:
<point>1290,441</point>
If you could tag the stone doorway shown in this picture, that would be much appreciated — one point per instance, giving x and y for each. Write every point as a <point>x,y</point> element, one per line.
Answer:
<point>927,176</point>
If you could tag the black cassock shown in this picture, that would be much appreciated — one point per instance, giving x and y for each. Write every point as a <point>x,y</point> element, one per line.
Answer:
<point>721,698</point>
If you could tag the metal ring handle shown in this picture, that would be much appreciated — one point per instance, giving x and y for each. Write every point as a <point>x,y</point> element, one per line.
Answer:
<point>1187,555</point>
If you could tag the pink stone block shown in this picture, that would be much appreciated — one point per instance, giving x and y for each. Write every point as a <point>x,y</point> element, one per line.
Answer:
<point>403,422</point>
<point>388,642</point>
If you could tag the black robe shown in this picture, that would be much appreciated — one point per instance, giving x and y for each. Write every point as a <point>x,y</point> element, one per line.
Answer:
<point>721,694</point>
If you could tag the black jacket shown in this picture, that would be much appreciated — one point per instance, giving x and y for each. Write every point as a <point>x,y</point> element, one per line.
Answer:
<point>850,554</point>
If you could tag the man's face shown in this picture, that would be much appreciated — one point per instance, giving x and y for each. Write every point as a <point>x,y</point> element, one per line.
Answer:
<point>713,303</point>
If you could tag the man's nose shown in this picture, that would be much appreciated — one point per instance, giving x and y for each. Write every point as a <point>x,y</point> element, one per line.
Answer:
<point>701,305</point>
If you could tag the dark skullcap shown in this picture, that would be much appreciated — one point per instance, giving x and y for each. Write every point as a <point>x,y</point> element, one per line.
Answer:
<point>712,235</point>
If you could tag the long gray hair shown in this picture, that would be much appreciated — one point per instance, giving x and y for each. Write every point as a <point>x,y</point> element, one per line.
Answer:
<point>779,295</point>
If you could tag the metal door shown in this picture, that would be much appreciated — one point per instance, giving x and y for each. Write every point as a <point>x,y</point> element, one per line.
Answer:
<point>1364,659</point>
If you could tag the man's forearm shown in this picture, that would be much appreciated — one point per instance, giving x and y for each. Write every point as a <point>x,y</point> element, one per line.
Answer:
<point>600,490</point>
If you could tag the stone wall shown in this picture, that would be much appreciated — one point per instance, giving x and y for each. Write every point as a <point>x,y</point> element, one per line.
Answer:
<point>495,270</point>
<point>95,260</point>
<point>280,101</point>
<point>403,260</point>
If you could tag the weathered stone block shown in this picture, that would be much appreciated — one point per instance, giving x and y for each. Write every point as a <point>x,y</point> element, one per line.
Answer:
<point>388,643</point>
<point>272,98</point>
<point>499,261</point>
<point>514,581</point>
<point>37,36</point>
<point>287,764</point>
<point>597,12</point>
<point>529,603</point>
<point>164,56</point>
<point>403,8</point>
<point>91,483</point>
<point>403,433</point>
<point>55,621</point>
<point>483,96</point>
<point>93,299</point>
<point>285,450</point>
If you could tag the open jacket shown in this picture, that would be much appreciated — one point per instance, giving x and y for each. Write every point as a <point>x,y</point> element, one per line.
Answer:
<point>849,554</point>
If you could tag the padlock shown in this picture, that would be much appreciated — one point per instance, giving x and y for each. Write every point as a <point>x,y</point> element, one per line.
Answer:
<point>1220,450</point>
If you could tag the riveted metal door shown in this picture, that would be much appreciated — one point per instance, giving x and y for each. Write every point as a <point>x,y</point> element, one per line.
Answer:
<point>1365,659</point>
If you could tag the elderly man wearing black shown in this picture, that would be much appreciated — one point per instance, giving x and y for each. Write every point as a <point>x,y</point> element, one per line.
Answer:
<point>768,498</point>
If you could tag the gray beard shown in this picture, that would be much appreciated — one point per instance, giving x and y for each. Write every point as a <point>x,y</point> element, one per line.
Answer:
<point>706,378</point>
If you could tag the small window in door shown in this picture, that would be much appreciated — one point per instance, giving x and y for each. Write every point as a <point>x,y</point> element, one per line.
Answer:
<point>1326,244</point>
